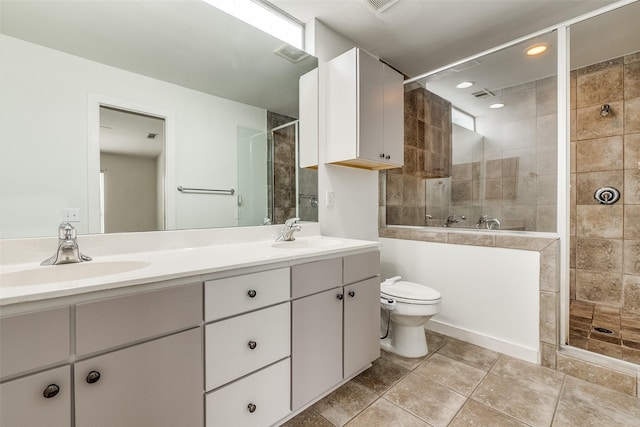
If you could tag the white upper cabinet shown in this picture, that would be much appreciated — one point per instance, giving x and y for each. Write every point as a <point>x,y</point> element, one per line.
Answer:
<point>365,112</point>
<point>309,119</point>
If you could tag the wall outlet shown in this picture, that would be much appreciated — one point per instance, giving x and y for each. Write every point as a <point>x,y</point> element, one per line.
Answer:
<point>72,214</point>
<point>329,198</point>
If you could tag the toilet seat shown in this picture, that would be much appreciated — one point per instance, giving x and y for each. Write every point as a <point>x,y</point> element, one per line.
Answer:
<point>410,293</point>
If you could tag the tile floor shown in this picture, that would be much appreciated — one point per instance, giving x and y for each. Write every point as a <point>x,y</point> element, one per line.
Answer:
<point>606,330</point>
<point>461,384</point>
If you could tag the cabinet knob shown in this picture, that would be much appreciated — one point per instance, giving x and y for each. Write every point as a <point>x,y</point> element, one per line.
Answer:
<point>93,377</point>
<point>387,157</point>
<point>382,155</point>
<point>251,407</point>
<point>340,296</point>
<point>252,345</point>
<point>51,390</point>
<point>252,293</point>
<point>352,294</point>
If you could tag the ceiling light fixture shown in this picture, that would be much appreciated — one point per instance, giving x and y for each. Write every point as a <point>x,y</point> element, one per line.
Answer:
<point>537,49</point>
<point>496,106</point>
<point>464,85</point>
<point>264,18</point>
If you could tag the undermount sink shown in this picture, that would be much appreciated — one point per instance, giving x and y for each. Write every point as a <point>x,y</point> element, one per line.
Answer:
<point>306,244</point>
<point>68,272</point>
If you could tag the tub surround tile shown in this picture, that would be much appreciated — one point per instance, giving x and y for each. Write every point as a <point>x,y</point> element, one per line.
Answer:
<point>632,222</point>
<point>432,402</point>
<point>383,413</point>
<point>516,399</point>
<point>602,86</point>
<point>590,124</point>
<point>526,243</point>
<point>631,151</point>
<point>548,355</point>
<point>599,254</point>
<point>472,239</point>
<point>632,57</point>
<point>600,221</point>
<point>599,154</point>
<point>476,414</point>
<point>345,403</point>
<point>549,329</point>
<point>632,80</point>
<point>605,348</point>
<point>631,292</point>
<point>452,374</point>
<point>539,378</point>
<point>601,287</point>
<point>549,268</point>
<point>588,182</point>
<point>615,62</point>
<point>632,115</point>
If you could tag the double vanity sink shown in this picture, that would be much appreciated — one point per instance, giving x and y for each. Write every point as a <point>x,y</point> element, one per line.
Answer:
<point>247,331</point>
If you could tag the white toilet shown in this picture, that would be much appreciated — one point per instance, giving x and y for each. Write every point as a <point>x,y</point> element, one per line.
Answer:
<point>410,305</point>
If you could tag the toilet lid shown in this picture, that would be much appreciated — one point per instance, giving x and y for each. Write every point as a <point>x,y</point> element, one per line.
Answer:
<point>409,292</point>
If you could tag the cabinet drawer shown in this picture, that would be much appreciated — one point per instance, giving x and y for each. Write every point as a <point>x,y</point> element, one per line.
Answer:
<point>22,402</point>
<point>267,390</point>
<point>228,343</point>
<point>239,294</point>
<point>116,321</point>
<point>307,279</point>
<point>361,266</point>
<point>32,340</point>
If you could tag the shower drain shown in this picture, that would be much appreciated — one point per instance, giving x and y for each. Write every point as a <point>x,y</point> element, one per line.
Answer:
<point>604,330</point>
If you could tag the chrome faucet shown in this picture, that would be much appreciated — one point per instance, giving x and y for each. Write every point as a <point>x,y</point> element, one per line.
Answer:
<point>68,251</point>
<point>290,226</point>
<point>489,223</point>
<point>454,219</point>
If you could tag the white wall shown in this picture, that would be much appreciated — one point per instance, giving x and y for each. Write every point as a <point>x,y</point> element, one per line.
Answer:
<point>43,138</point>
<point>490,296</point>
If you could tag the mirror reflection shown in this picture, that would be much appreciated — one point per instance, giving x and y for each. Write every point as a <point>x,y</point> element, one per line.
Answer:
<point>211,80</point>
<point>482,141</point>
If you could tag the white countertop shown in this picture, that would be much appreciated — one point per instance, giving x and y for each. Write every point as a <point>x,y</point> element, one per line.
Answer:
<point>22,282</point>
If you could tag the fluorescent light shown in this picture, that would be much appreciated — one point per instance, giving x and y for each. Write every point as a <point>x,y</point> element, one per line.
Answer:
<point>464,85</point>
<point>496,106</point>
<point>263,19</point>
<point>537,49</point>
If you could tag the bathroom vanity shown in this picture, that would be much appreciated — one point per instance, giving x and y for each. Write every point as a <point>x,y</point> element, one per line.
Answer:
<point>243,333</point>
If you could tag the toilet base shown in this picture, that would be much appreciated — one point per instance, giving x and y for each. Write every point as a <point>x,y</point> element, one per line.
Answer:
<point>406,341</point>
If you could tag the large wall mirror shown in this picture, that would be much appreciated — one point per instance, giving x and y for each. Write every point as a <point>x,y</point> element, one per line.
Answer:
<point>99,96</point>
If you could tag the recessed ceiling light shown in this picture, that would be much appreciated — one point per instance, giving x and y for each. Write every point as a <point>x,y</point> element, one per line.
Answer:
<point>495,106</point>
<point>464,85</point>
<point>537,49</point>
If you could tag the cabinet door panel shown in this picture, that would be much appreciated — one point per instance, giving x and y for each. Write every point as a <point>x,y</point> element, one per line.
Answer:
<point>22,402</point>
<point>361,325</point>
<point>43,339</point>
<point>342,117</point>
<point>316,352</point>
<point>267,390</point>
<point>228,353</point>
<point>116,321</point>
<point>393,116</point>
<point>158,383</point>
<point>370,108</point>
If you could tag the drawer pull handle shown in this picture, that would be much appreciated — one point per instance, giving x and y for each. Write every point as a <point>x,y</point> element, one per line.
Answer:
<point>340,296</point>
<point>252,293</point>
<point>352,294</point>
<point>387,157</point>
<point>51,390</point>
<point>382,155</point>
<point>253,345</point>
<point>93,377</point>
<point>251,407</point>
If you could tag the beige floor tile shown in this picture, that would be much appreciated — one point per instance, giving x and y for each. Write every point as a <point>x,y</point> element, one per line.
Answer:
<point>581,392</point>
<point>435,341</point>
<point>476,414</point>
<point>541,379</point>
<point>345,403</point>
<point>308,418</point>
<point>381,376</point>
<point>516,399</point>
<point>430,401</point>
<point>383,413</point>
<point>450,373</point>
<point>470,354</point>
<point>572,414</point>
<point>405,362</point>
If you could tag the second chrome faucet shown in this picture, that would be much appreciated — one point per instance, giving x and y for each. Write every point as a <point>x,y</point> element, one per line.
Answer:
<point>290,226</point>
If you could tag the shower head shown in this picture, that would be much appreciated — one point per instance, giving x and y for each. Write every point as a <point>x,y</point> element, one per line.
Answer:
<point>605,109</point>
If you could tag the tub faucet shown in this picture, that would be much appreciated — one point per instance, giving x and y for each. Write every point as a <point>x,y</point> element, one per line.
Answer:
<point>68,251</point>
<point>454,219</point>
<point>290,226</point>
<point>488,223</point>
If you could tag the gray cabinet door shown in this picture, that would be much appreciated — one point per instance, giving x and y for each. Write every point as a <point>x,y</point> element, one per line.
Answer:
<point>22,402</point>
<point>316,351</point>
<point>361,325</point>
<point>157,383</point>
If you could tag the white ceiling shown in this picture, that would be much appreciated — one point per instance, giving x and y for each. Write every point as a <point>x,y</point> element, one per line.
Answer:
<point>123,132</point>
<point>417,36</point>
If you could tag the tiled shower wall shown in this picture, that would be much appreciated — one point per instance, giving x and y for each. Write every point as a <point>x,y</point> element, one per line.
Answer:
<point>605,239</point>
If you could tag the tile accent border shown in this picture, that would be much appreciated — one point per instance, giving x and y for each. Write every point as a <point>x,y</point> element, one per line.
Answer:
<point>549,249</point>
